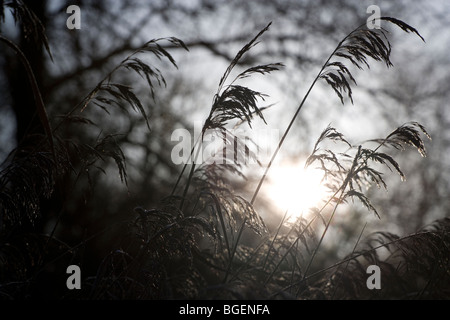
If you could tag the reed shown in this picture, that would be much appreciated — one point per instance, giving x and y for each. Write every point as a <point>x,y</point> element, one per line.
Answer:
<point>192,246</point>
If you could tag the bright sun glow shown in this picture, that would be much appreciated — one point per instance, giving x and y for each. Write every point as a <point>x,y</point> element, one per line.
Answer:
<point>296,189</point>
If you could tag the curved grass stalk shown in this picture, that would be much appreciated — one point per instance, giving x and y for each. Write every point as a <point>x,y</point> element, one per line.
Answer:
<point>337,264</point>
<point>299,108</point>
<point>353,252</point>
<point>341,197</point>
<point>40,107</point>
<point>365,44</point>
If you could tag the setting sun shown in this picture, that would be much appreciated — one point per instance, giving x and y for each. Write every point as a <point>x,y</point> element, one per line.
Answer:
<point>293,188</point>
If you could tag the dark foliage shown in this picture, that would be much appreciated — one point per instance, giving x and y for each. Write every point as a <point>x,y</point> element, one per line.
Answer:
<point>196,244</point>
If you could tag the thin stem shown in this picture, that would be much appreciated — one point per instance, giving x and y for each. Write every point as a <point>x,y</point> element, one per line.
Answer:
<point>323,235</point>
<point>273,240</point>
<point>280,144</point>
<point>341,197</point>
<point>337,264</point>
<point>184,169</point>
<point>234,251</point>
<point>348,262</point>
<point>40,107</point>
<point>289,249</point>
<point>191,173</point>
<point>222,223</point>
<point>90,95</point>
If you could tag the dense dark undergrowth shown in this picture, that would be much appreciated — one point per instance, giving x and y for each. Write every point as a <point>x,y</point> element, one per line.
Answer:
<point>205,241</point>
